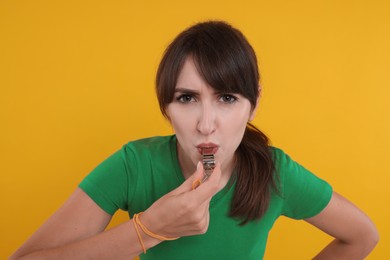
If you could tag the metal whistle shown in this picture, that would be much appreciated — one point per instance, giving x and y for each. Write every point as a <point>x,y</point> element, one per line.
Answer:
<point>208,165</point>
<point>208,162</point>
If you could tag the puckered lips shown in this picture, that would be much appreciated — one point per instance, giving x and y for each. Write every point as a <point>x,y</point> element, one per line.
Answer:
<point>207,148</point>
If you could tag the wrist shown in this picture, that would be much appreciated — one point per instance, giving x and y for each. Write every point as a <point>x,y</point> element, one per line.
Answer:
<point>148,232</point>
<point>145,242</point>
<point>148,241</point>
<point>147,238</point>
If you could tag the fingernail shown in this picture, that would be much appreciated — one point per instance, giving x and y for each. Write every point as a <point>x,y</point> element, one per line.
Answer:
<point>198,165</point>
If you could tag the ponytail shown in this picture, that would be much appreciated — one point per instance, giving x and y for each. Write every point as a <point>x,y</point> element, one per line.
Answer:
<point>254,175</point>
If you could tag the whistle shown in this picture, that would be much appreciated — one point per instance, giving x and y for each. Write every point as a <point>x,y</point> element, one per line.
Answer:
<point>208,162</point>
<point>208,165</point>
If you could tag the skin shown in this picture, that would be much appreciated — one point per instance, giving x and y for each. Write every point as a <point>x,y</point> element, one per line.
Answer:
<point>198,115</point>
<point>355,234</point>
<point>76,230</point>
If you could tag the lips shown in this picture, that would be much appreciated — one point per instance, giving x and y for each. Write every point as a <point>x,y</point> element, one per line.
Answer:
<point>207,148</point>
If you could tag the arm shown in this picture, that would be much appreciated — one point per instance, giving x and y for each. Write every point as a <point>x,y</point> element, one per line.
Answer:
<point>76,230</point>
<point>355,235</point>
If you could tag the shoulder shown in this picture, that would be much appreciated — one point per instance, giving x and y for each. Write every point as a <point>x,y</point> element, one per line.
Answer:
<point>135,152</point>
<point>149,151</point>
<point>276,152</point>
<point>155,144</point>
<point>280,159</point>
<point>304,194</point>
<point>151,142</point>
<point>285,164</point>
<point>287,168</point>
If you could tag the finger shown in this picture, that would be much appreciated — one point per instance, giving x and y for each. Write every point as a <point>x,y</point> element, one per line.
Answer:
<point>187,184</point>
<point>197,179</point>
<point>210,187</point>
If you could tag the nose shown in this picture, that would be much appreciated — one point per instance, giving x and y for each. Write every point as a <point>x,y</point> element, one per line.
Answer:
<point>207,120</point>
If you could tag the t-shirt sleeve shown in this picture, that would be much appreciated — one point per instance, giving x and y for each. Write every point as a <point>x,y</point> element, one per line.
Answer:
<point>304,194</point>
<point>107,184</point>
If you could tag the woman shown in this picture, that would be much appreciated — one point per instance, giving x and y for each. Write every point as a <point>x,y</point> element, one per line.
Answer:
<point>208,88</point>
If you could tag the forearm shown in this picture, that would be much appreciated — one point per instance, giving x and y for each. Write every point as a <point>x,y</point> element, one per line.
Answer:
<point>338,249</point>
<point>120,242</point>
<point>354,232</point>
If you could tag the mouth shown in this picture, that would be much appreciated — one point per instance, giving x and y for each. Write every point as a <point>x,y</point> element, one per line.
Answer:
<point>207,148</point>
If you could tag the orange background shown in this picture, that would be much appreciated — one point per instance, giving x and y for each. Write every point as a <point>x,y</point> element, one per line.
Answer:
<point>77,82</point>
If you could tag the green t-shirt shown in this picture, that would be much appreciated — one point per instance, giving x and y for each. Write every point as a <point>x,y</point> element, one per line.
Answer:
<point>143,171</point>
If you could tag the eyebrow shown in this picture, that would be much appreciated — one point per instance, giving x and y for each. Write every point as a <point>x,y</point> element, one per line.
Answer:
<point>194,92</point>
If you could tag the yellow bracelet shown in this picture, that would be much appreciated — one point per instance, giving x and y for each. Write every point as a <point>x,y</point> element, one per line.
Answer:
<point>148,232</point>
<point>139,237</point>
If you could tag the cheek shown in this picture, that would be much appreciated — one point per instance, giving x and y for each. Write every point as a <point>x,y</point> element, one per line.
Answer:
<point>242,117</point>
<point>236,127</point>
<point>179,119</point>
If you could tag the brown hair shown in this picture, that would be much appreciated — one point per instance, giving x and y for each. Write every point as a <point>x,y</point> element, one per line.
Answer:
<point>228,63</point>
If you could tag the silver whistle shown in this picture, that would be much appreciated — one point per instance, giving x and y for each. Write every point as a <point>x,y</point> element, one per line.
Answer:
<point>208,165</point>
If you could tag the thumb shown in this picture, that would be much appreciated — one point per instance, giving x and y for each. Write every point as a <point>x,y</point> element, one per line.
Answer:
<point>187,184</point>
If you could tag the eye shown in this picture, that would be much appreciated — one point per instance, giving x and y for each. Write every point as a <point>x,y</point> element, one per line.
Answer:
<point>185,98</point>
<point>228,99</point>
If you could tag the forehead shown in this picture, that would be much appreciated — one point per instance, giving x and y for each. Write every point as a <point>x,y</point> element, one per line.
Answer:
<point>189,76</point>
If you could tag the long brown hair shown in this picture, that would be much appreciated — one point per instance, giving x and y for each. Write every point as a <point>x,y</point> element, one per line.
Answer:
<point>228,63</point>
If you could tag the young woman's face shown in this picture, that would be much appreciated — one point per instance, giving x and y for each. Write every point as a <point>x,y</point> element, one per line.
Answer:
<point>205,120</point>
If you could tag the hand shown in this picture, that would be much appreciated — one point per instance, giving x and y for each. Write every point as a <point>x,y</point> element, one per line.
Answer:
<point>184,211</point>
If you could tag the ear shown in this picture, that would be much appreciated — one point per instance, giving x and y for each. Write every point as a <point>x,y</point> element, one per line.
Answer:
<point>254,110</point>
